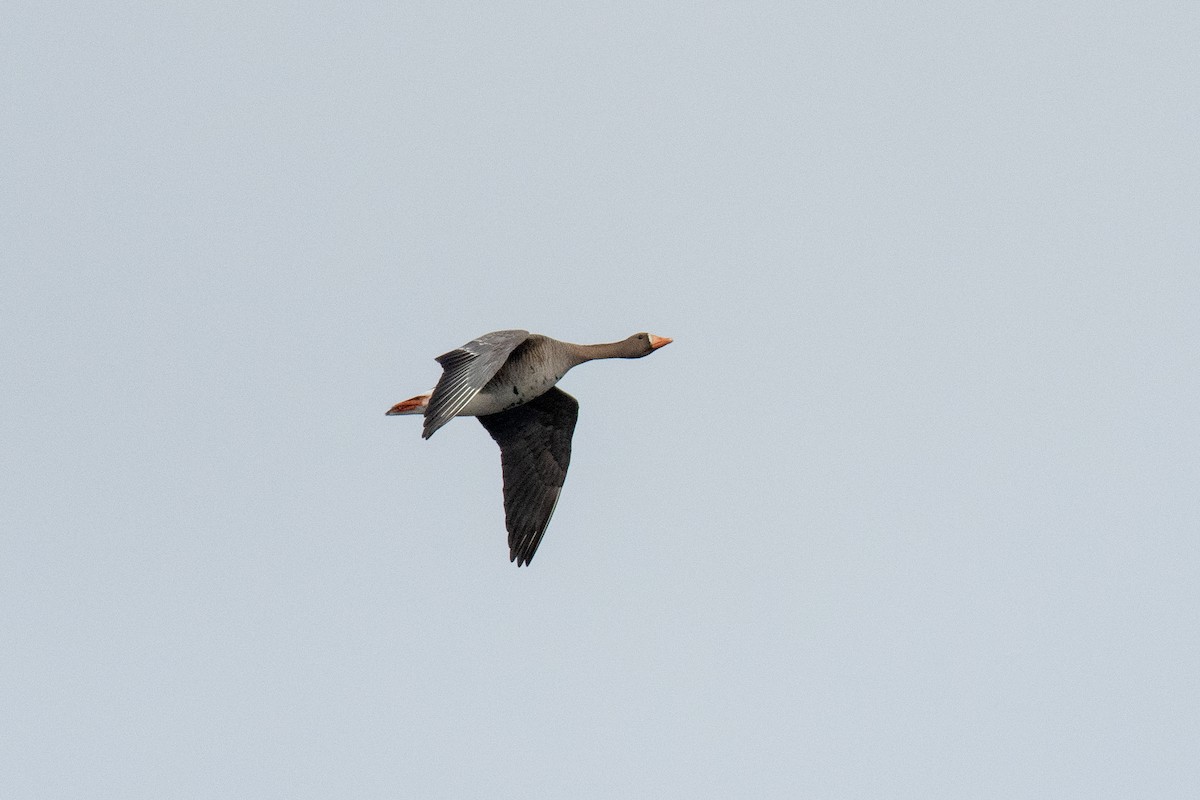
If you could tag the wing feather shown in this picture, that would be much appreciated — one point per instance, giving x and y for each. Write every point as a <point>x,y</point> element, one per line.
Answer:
<point>465,371</point>
<point>535,451</point>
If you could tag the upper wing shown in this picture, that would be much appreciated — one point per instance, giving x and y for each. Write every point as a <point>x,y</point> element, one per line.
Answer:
<point>535,450</point>
<point>466,371</point>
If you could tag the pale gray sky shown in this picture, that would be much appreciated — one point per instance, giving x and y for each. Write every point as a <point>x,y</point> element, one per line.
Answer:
<point>909,509</point>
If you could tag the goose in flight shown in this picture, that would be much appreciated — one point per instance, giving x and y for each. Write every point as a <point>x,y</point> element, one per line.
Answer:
<point>507,380</point>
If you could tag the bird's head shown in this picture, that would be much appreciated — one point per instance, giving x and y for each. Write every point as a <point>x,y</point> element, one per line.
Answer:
<point>643,344</point>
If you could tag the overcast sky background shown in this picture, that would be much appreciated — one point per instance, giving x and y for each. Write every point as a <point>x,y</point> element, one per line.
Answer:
<point>909,509</point>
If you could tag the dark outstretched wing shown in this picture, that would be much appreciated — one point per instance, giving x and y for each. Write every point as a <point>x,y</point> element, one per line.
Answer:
<point>465,371</point>
<point>535,450</point>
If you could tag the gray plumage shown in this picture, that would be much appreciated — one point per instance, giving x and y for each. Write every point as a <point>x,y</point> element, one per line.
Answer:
<point>507,380</point>
<point>535,451</point>
<point>466,370</point>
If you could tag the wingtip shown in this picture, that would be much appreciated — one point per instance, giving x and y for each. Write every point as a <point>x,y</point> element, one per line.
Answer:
<point>429,429</point>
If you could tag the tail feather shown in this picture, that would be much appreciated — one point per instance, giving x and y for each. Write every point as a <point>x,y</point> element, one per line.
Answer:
<point>413,405</point>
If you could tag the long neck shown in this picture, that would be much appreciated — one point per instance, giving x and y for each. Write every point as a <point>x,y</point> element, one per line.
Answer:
<point>590,352</point>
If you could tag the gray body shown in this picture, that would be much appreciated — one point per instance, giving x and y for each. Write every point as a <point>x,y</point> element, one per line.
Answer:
<point>507,379</point>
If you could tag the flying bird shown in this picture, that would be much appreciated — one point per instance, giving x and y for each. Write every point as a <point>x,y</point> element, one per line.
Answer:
<point>507,380</point>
